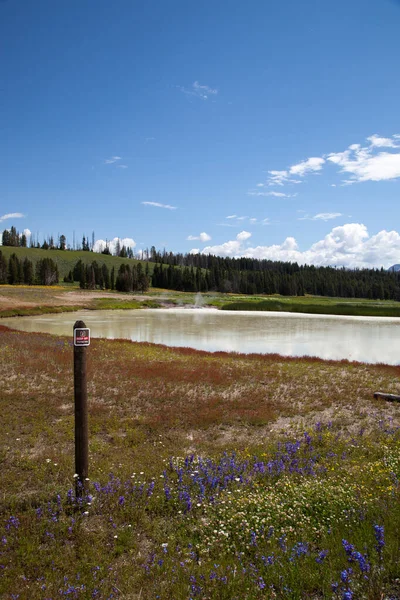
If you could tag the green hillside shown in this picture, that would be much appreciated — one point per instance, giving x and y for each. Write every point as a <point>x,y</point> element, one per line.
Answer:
<point>67,259</point>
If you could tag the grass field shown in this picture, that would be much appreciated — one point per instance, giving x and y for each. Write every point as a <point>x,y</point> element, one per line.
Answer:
<point>20,300</point>
<point>67,259</point>
<point>212,476</point>
<point>317,305</point>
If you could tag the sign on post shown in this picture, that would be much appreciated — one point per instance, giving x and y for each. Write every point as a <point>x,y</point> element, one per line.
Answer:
<point>81,336</point>
<point>81,340</point>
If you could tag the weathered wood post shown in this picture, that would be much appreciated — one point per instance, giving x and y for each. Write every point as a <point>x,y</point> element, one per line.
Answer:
<point>81,340</point>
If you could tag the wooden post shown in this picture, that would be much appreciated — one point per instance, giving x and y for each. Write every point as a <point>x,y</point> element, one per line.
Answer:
<point>384,396</point>
<point>81,411</point>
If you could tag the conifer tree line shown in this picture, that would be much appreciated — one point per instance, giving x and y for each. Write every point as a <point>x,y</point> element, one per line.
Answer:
<point>200,272</point>
<point>129,278</point>
<point>17,271</point>
<point>11,237</point>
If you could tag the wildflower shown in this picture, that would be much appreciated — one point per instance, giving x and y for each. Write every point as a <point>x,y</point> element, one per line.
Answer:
<point>380,538</point>
<point>344,575</point>
<point>282,543</point>
<point>321,556</point>
<point>299,549</point>
<point>12,522</point>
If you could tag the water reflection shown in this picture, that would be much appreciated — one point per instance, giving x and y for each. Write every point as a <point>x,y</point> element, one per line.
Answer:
<point>368,339</point>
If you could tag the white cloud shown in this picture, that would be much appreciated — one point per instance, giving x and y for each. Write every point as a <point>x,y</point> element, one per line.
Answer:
<point>239,221</point>
<point>199,91</point>
<point>231,248</point>
<point>366,166</point>
<point>364,163</point>
<point>274,194</point>
<point>11,216</point>
<point>277,177</point>
<point>159,205</point>
<point>243,235</point>
<point>203,237</point>
<point>194,251</point>
<point>112,160</point>
<point>321,217</point>
<point>99,245</point>
<point>310,165</point>
<point>27,232</point>
<point>348,245</point>
<point>381,142</point>
<point>122,166</point>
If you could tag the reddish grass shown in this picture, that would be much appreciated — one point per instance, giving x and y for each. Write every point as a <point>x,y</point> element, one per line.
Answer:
<point>138,392</point>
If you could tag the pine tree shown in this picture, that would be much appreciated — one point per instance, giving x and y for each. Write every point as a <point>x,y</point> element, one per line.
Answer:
<point>106,277</point>
<point>13,270</point>
<point>112,279</point>
<point>28,274</point>
<point>3,269</point>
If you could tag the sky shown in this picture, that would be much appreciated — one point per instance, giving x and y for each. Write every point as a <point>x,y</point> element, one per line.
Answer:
<point>262,128</point>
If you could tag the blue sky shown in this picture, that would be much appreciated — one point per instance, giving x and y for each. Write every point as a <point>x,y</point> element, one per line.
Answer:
<point>267,129</point>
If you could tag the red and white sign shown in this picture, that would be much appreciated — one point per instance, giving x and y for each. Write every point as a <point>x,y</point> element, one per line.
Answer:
<point>82,337</point>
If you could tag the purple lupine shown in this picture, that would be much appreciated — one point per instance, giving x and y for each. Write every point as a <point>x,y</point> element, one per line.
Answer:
<point>321,556</point>
<point>379,532</point>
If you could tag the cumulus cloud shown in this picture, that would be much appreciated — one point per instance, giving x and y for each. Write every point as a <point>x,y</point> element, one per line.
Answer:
<point>348,245</point>
<point>364,165</point>
<point>203,237</point>
<point>15,215</point>
<point>320,217</point>
<point>231,248</point>
<point>159,205</point>
<point>199,91</point>
<point>243,235</point>
<point>310,165</point>
<point>381,142</point>
<point>367,162</point>
<point>99,245</point>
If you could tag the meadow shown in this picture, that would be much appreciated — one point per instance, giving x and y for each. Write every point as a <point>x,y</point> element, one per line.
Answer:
<point>211,476</point>
<point>23,300</point>
<point>317,305</point>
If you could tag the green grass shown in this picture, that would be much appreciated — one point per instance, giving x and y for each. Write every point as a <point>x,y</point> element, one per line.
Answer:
<point>211,475</point>
<point>67,259</point>
<point>123,304</point>
<point>318,305</point>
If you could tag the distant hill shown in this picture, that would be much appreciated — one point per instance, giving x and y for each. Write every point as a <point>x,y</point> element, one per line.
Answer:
<point>67,259</point>
<point>394,268</point>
